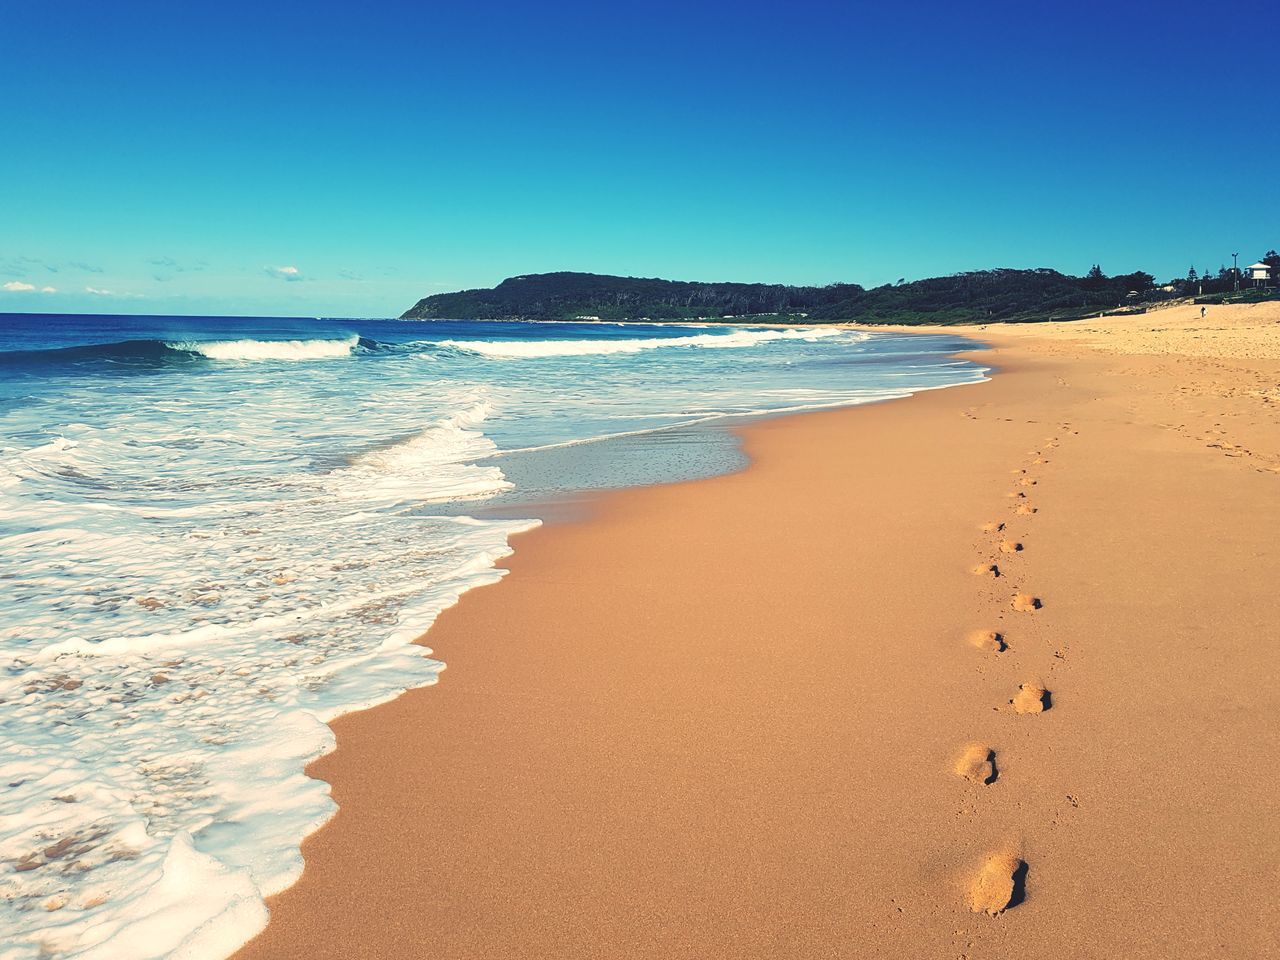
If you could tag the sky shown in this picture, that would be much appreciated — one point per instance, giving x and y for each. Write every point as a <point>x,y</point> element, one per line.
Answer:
<point>343,159</point>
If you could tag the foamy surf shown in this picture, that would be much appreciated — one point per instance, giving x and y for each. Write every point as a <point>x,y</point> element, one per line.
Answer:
<point>208,558</point>
<point>737,339</point>
<point>435,465</point>
<point>169,667</point>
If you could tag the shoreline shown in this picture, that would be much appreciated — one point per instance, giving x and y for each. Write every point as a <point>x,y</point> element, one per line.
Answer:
<point>719,717</point>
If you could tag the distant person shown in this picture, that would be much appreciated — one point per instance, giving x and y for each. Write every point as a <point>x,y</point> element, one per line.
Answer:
<point>1203,310</point>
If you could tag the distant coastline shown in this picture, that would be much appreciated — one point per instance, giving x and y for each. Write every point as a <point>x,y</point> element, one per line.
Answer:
<point>986,296</point>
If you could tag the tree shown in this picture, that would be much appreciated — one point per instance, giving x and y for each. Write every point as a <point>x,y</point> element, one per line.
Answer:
<point>1192,276</point>
<point>1138,281</point>
<point>1272,260</point>
<point>1095,279</point>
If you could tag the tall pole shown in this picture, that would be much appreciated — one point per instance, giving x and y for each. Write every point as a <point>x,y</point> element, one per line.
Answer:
<point>1235,272</point>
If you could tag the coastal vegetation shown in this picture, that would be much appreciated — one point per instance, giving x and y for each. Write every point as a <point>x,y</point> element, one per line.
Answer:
<point>570,296</point>
<point>974,297</point>
<point>989,295</point>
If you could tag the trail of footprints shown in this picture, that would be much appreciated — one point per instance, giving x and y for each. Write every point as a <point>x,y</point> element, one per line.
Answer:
<point>998,883</point>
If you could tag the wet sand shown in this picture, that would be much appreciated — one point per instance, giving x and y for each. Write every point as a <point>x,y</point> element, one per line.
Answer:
<point>765,715</point>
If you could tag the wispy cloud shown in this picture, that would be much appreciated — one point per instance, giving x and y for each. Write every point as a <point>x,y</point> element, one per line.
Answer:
<point>120,295</point>
<point>284,273</point>
<point>349,275</point>
<point>23,266</point>
<point>19,286</point>
<point>18,266</point>
<point>169,268</point>
<point>169,263</point>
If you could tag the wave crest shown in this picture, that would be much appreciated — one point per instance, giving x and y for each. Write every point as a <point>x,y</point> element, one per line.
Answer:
<point>527,349</point>
<point>435,465</point>
<point>268,349</point>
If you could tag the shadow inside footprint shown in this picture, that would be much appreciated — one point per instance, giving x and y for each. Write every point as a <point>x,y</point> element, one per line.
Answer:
<point>991,640</point>
<point>1019,893</point>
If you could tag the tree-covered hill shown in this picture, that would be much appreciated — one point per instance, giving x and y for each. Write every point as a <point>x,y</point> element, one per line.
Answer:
<point>976,297</point>
<point>566,296</point>
<point>989,295</point>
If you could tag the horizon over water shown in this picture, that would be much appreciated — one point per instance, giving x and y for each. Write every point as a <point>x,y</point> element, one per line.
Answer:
<point>218,534</point>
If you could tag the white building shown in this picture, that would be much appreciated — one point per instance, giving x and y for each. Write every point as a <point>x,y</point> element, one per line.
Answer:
<point>1259,273</point>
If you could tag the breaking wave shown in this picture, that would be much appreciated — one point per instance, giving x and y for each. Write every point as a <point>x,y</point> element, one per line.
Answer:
<point>159,353</point>
<point>268,349</point>
<point>522,349</point>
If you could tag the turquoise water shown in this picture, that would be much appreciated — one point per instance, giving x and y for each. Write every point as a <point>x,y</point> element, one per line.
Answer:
<point>216,534</point>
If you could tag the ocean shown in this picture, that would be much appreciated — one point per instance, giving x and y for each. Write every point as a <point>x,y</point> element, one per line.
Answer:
<point>217,534</point>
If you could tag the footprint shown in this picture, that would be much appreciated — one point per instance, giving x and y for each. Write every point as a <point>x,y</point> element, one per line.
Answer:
<point>1010,546</point>
<point>977,764</point>
<point>995,526</point>
<point>1017,494</point>
<point>986,570</point>
<point>989,640</point>
<point>1025,603</point>
<point>999,885</point>
<point>1026,509</point>
<point>1027,482</point>
<point>1031,698</point>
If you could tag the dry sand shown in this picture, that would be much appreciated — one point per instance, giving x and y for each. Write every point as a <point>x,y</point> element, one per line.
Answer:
<point>726,718</point>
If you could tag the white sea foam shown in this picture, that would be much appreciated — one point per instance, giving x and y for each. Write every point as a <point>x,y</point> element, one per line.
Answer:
<point>268,349</point>
<point>168,661</point>
<point>737,339</point>
<point>436,464</point>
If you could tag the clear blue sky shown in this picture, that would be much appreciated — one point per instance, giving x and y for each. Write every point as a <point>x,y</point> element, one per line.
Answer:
<point>344,159</point>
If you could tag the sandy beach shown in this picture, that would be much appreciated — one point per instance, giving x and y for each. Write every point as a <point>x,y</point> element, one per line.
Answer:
<point>1011,644</point>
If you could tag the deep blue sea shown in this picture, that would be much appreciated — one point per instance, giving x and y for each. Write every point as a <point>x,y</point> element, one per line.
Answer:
<point>216,534</point>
